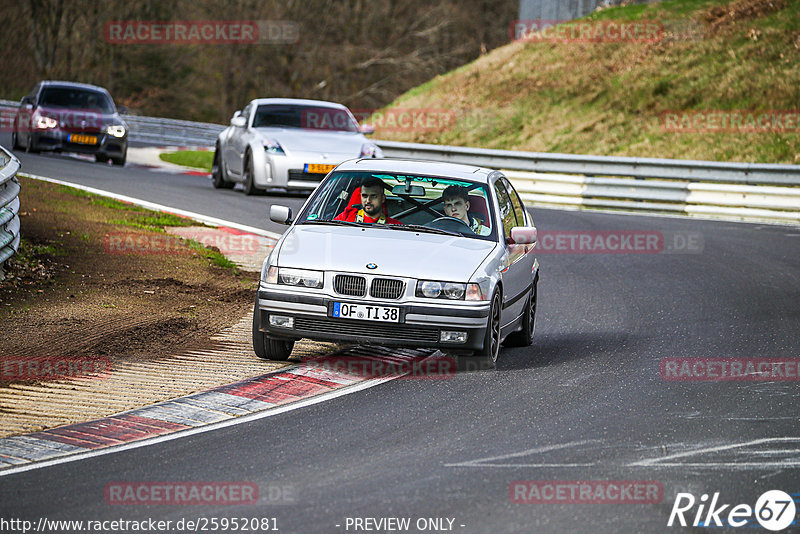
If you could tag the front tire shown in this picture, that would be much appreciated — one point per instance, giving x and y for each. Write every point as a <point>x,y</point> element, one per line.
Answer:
<point>218,178</point>
<point>30,148</point>
<point>14,141</point>
<point>524,338</point>
<point>267,348</point>
<point>249,186</point>
<point>486,358</point>
<point>120,161</point>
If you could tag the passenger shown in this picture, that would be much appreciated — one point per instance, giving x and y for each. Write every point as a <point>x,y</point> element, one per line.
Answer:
<point>456,204</point>
<point>373,198</point>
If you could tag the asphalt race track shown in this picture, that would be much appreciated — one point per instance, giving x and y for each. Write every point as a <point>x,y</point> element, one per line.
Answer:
<point>587,402</point>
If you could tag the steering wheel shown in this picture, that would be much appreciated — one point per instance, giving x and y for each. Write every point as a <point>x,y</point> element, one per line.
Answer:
<point>451,224</point>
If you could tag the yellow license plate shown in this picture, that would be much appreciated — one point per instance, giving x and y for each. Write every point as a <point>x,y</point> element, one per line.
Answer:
<point>318,168</point>
<point>83,139</point>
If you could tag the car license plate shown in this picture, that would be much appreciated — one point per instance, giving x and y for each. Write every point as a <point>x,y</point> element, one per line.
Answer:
<point>366,313</point>
<point>83,139</point>
<point>318,168</point>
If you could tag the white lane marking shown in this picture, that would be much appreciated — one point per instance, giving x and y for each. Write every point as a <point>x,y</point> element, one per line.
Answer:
<point>486,462</point>
<point>727,465</point>
<point>213,221</point>
<point>199,430</point>
<point>665,460</point>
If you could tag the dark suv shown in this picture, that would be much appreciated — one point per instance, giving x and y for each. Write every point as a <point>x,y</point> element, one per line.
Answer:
<point>71,117</point>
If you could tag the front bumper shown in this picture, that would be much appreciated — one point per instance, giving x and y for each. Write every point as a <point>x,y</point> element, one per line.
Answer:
<point>289,171</point>
<point>420,326</point>
<point>57,140</point>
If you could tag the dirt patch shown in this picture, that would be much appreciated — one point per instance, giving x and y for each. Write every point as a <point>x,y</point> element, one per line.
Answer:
<point>68,295</point>
<point>719,17</point>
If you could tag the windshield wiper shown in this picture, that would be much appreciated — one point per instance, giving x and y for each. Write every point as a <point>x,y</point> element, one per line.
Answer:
<point>336,223</point>
<point>419,228</point>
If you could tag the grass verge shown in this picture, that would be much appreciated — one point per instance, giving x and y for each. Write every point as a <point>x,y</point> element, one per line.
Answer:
<point>610,98</point>
<point>198,159</point>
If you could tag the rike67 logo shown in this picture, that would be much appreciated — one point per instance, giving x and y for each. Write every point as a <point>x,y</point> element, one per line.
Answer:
<point>774,510</point>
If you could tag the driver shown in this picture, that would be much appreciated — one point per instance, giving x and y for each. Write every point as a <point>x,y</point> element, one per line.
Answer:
<point>456,204</point>
<point>371,209</point>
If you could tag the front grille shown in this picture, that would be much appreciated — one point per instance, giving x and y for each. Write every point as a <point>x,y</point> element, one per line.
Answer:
<point>345,284</point>
<point>387,288</point>
<point>376,331</point>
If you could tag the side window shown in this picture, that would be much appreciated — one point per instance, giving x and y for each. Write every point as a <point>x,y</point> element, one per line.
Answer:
<point>506,208</point>
<point>519,210</point>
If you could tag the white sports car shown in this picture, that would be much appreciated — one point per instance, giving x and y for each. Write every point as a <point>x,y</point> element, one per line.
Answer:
<point>283,144</point>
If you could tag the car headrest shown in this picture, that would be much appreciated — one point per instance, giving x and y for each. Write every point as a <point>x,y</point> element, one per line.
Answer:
<point>478,208</point>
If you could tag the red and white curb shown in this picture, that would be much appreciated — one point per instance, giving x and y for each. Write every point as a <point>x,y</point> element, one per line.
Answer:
<point>307,383</point>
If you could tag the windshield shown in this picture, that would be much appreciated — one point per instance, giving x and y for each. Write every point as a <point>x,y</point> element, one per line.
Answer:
<point>402,202</point>
<point>71,97</point>
<point>307,117</point>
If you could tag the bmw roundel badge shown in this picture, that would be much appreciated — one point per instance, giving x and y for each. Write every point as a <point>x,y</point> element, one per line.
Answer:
<point>372,266</point>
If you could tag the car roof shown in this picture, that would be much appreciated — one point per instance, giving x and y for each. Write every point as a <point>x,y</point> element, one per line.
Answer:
<point>423,167</point>
<point>77,85</point>
<point>296,101</point>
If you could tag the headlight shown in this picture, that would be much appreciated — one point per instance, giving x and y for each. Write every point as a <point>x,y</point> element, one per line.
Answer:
<point>117,130</point>
<point>445,290</point>
<point>43,123</point>
<point>299,277</point>
<point>455,291</point>
<point>271,146</point>
<point>429,289</point>
<point>370,150</point>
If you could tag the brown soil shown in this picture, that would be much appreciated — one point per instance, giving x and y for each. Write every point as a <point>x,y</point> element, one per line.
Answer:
<point>66,295</point>
<point>719,17</point>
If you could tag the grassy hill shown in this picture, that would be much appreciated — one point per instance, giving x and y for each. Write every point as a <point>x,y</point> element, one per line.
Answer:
<point>609,98</point>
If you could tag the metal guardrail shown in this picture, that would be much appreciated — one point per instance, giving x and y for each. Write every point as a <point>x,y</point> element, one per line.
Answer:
<point>741,191</point>
<point>672,169</point>
<point>172,132</point>
<point>9,207</point>
<point>745,191</point>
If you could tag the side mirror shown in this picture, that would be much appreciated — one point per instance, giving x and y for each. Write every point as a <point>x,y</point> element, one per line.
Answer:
<point>366,129</point>
<point>524,235</point>
<point>238,122</point>
<point>280,214</point>
<point>124,110</point>
<point>26,101</point>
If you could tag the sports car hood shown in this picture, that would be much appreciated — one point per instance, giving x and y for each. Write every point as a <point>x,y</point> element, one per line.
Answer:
<point>395,252</point>
<point>299,140</point>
